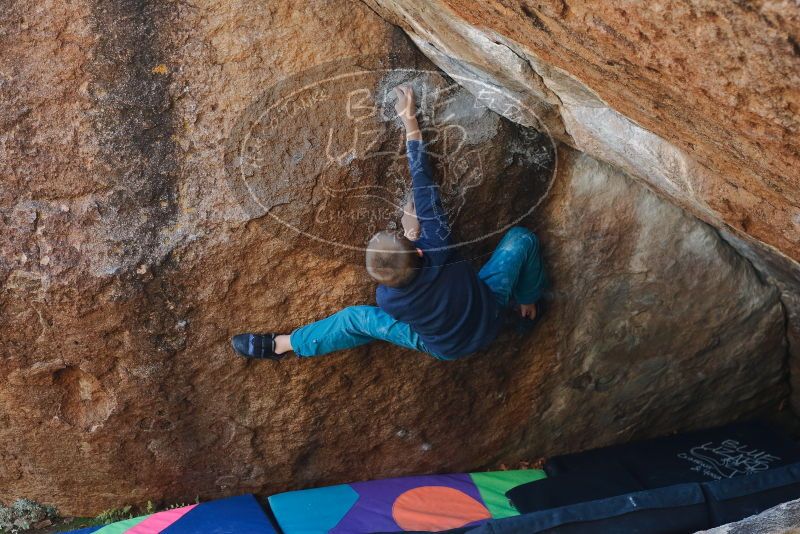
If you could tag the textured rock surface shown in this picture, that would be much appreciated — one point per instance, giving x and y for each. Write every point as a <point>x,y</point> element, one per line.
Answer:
<point>631,272</point>
<point>781,519</point>
<point>716,84</point>
<point>698,100</point>
<point>353,163</point>
<point>129,258</point>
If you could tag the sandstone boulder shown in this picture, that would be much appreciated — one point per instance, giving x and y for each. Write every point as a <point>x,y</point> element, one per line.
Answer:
<point>699,102</point>
<point>130,254</point>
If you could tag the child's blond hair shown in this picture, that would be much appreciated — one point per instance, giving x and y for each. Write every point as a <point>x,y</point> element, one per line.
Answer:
<point>392,260</point>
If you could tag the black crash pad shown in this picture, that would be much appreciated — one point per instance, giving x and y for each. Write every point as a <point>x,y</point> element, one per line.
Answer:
<point>716,454</point>
<point>733,499</point>
<point>675,509</point>
<point>571,488</point>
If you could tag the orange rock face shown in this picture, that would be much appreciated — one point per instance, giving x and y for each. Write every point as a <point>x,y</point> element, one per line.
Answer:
<point>718,80</point>
<point>697,100</point>
<point>151,208</point>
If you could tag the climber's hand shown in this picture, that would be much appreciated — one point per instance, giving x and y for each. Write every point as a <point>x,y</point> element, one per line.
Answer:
<point>407,111</point>
<point>528,310</point>
<point>405,107</point>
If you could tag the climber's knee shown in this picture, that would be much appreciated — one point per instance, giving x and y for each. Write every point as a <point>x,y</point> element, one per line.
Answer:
<point>519,237</point>
<point>356,319</point>
<point>519,233</point>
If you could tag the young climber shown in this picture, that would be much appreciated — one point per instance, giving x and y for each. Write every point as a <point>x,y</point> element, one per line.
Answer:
<point>429,299</point>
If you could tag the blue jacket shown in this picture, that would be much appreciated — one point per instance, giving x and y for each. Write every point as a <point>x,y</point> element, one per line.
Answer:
<point>451,309</point>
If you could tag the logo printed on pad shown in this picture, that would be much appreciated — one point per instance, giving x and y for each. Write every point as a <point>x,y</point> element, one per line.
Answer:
<point>729,459</point>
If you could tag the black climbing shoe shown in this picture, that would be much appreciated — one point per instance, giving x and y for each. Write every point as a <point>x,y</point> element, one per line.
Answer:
<point>256,346</point>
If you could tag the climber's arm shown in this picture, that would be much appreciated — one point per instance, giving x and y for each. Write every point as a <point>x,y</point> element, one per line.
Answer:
<point>434,230</point>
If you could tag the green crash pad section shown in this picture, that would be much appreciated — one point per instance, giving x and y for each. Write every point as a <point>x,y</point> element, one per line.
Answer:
<point>121,526</point>
<point>494,485</point>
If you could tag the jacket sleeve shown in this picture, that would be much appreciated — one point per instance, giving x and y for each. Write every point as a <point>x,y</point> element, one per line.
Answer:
<point>434,229</point>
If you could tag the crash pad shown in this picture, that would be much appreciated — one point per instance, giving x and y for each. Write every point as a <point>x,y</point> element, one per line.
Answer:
<point>234,515</point>
<point>571,488</point>
<point>494,485</point>
<point>418,503</point>
<point>702,456</point>
<point>733,499</point>
<point>670,510</point>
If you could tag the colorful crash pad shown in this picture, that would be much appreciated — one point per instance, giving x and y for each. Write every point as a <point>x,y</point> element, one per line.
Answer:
<point>431,502</point>
<point>234,515</point>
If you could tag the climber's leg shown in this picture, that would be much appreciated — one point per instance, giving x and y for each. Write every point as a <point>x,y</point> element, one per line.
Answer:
<point>516,271</point>
<point>352,327</point>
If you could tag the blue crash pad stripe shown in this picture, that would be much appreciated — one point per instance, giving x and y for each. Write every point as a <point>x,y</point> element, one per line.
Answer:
<point>315,510</point>
<point>234,515</point>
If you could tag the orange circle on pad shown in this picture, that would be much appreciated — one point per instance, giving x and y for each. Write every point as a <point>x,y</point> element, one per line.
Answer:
<point>436,508</point>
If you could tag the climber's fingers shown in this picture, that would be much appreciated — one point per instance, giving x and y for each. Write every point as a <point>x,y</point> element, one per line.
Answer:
<point>405,101</point>
<point>400,105</point>
<point>402,98</point>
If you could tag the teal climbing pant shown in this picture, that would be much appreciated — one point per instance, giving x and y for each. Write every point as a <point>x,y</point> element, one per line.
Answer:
<point>514,273</point>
